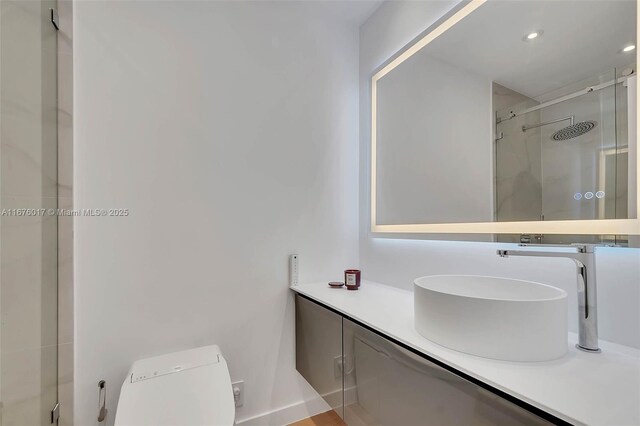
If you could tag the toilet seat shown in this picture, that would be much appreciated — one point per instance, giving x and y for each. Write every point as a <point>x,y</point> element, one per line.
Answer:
<point>190,387</point>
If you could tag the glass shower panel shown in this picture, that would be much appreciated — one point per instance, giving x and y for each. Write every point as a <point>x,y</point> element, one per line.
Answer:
<point>624,163</point>
<point>518,158</point>
<point>557,154</point>
<point>575,184</point>
<point>28,224</point>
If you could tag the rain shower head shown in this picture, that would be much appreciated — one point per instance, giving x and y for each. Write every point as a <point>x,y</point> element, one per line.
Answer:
<point>574,130</point>
<point>569,132</point>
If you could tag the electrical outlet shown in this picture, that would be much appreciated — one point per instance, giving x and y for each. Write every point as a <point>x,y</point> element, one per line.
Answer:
<point>293,269</point>
<point>238,392</point>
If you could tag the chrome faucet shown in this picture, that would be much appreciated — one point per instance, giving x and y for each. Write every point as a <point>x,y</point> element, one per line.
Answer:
<point>584,257</point>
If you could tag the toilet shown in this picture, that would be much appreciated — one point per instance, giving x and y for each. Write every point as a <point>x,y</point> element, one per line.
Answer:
<point>190,387</point>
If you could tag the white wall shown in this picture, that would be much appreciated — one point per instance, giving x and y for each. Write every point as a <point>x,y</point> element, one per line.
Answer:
<point>413,152</point>
<point>229,129</point>
<point>397,261</point>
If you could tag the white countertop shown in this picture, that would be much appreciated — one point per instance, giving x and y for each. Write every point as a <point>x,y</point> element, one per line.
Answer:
<point>581,388</point>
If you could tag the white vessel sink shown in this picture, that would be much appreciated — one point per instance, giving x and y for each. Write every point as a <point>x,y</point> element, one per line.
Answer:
<point>491,317</point>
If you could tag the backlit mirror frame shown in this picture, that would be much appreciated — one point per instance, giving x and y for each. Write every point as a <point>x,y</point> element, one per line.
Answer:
<point>573,227</point>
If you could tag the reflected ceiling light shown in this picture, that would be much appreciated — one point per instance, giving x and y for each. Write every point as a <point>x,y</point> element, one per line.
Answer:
<point>629,48</point>
<point>532,35</point>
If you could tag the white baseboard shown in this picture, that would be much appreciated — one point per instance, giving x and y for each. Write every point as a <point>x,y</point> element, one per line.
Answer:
<point>298,411</point>
<point>288,414</point>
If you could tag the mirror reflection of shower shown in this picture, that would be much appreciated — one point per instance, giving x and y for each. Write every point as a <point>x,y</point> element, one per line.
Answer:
<point>559,155</point>
<point>573,130</point>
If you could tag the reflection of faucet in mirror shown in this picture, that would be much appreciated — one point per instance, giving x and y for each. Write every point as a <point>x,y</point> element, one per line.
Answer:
<point>584,257</point>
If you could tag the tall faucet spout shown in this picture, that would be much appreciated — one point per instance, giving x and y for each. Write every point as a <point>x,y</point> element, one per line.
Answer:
<point>584,258</point>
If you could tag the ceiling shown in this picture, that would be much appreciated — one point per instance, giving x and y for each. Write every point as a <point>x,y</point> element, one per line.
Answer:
<point>581,39</point>
<point>355,12</point>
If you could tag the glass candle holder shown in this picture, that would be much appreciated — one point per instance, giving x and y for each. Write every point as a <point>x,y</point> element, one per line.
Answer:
<point>352,279</point>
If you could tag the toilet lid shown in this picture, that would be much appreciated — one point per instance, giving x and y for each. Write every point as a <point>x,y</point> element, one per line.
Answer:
<point>191,394</point>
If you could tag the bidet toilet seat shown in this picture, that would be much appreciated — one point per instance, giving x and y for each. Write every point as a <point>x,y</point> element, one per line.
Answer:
<point>190,387</point>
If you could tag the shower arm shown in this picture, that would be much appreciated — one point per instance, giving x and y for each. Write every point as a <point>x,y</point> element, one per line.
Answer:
<point>571,117</point>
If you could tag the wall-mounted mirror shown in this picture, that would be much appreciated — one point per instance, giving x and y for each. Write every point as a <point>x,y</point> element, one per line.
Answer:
<point>510,117</point>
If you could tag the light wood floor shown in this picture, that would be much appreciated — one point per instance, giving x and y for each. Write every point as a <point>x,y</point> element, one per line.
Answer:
<point>329,418</point>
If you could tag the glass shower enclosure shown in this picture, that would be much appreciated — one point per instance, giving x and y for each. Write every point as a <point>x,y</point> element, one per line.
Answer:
<point>28,223</point>
<point>564,155</point>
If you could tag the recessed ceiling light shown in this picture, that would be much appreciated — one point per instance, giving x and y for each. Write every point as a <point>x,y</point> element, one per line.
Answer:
<point>629,48</point>
<point>532,35</point>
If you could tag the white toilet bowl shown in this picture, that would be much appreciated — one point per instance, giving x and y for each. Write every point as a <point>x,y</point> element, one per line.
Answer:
<point>190,387</point>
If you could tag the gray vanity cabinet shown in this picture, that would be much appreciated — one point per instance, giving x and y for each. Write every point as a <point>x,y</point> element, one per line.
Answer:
<point>370,380</point>
<point>319,350</point>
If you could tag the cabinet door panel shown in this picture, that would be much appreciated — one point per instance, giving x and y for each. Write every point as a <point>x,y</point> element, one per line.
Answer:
<point>387,385</point>
<point>319,350</point>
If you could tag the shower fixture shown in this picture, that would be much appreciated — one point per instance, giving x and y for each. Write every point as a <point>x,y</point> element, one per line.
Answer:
<point>569,132</point>
<point>574,130</point>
